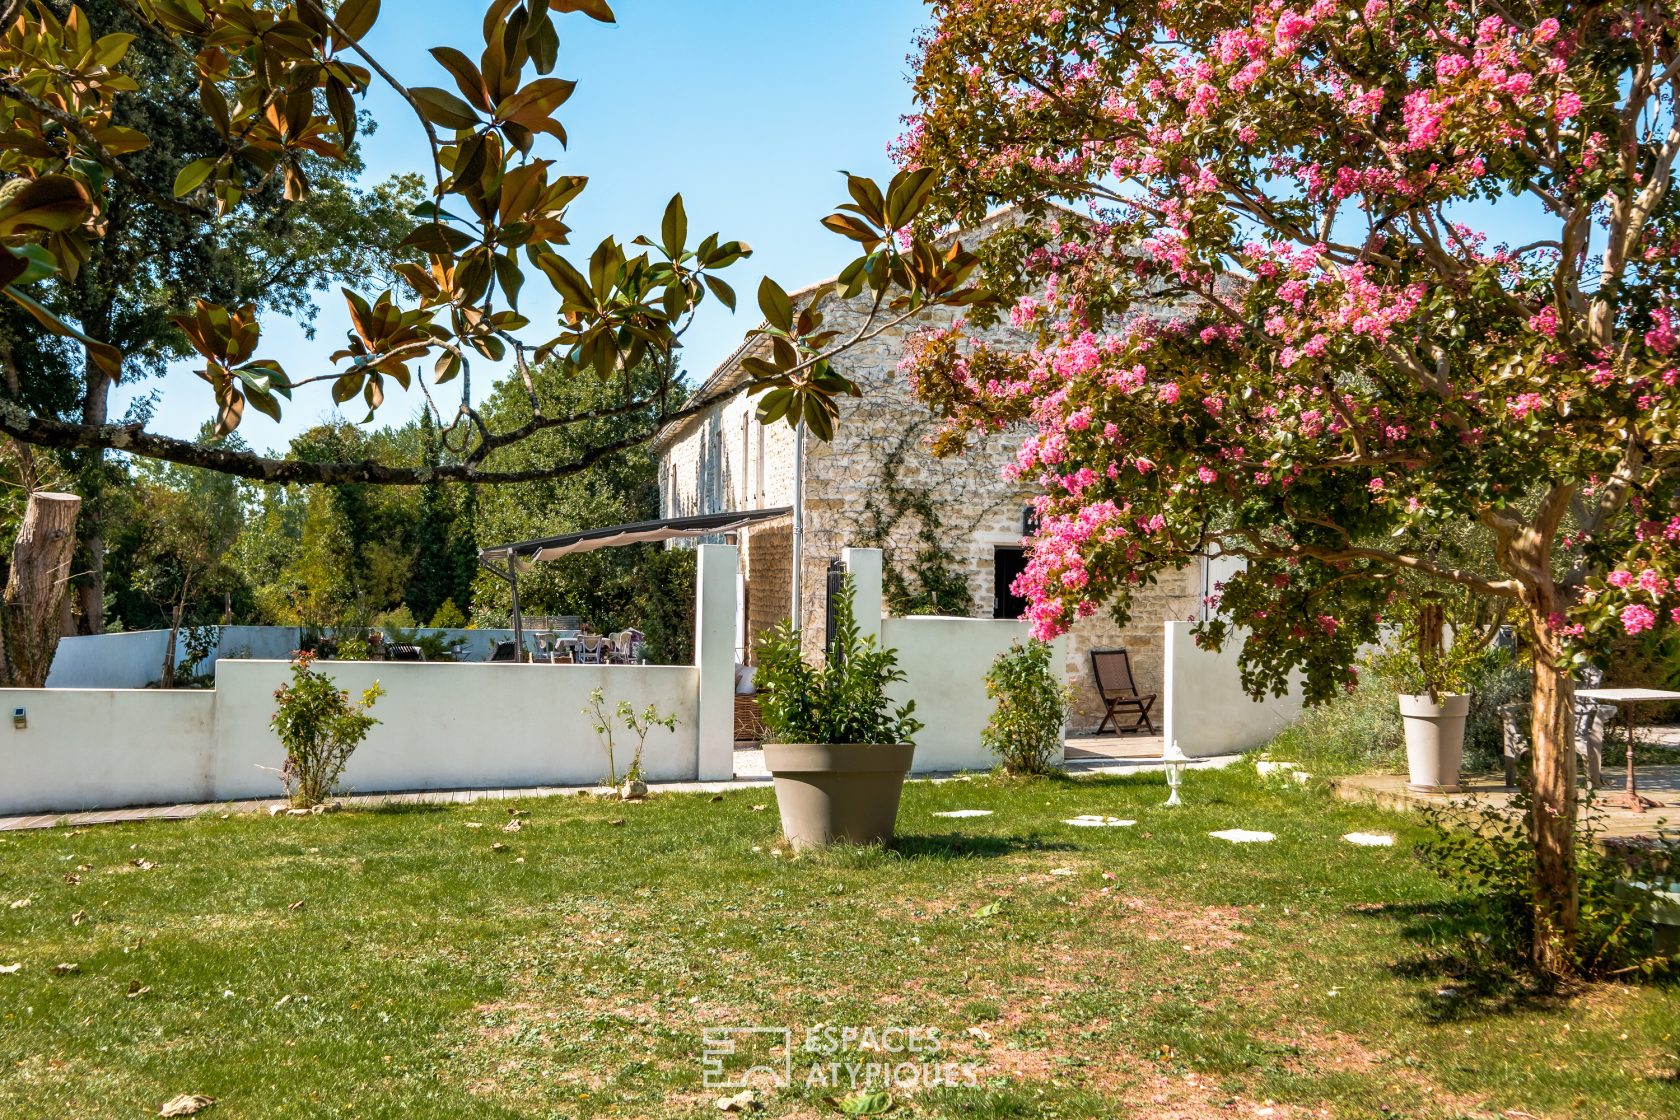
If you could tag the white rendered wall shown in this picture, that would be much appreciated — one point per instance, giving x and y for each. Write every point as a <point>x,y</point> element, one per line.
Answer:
<point>452,726</point>
<point>1204,706</point>
<point>945,661</point>
<point>131,660</point>
<point>442,725</point>
<point>135,659</point>
<point>714,657</point>
<point>92,748</point>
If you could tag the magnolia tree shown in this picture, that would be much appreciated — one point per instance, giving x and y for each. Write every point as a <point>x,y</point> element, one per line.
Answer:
<point>1280,332</point>
<point>278,85</point>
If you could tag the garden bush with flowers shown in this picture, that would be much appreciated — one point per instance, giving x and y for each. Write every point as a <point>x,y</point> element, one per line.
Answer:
<point>1270,321</point>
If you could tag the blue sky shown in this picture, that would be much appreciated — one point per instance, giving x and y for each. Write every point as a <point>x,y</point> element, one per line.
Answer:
<point>749,108</point>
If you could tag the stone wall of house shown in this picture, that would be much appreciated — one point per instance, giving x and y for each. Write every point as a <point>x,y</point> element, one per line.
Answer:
<point>767,562</point>
<point>1176,596</point>
<point>875,485</point>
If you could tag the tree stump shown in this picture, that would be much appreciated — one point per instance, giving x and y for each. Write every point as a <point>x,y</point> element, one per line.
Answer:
<point>40,572</point>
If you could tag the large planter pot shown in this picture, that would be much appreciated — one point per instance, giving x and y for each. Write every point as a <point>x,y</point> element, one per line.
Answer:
<point>839,793</point>
<point>1434,740</point>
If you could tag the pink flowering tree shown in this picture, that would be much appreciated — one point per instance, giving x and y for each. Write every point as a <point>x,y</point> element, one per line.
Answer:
<point>1280,329</point>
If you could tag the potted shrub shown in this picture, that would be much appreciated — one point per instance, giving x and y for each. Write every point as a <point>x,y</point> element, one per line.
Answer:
<point>1434,680</point>
<point>835,746</point>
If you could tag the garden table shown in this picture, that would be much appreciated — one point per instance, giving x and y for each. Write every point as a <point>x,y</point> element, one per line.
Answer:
<point>1629,697</point>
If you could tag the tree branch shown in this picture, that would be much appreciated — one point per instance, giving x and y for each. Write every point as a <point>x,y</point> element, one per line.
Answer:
<point>134,439</point>
<point>110,161</point>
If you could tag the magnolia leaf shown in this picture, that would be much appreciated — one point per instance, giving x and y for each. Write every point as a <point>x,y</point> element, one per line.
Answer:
<point>535,100</point>
<point>774,302</point>
<point>50,204</point>
<point>192,176</point>
<point>118,140</point>
<point>107,359</point>
<point>355,17</point>
<point>594,9</point>
<point>441,107</point>
<point>724,293</point>
<point>819,416</point>
<point>543,41</point>
<point>673,230</point>
<point>466,75</point>
<point>855,228</point>
<point>186,1104</point>
<point>232,412</point>
<point>870,202</point>
<point>347,386</point>
<point>907,194</point>
<point>775,404</point>
<point>26,264</point>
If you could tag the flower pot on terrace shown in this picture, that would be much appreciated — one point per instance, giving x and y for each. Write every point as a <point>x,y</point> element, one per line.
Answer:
<point>838,793</point>
<point>1434,740</point>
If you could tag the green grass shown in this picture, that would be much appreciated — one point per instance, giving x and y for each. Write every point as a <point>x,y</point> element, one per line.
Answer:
<point>569,974</point>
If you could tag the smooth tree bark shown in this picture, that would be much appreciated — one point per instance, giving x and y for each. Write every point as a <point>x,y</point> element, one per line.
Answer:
<point>35,587</point>
<point>167,677</point>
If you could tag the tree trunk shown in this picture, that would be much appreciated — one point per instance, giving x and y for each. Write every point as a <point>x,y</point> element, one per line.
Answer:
<point>1552,814</point>
<point>29,621</point>
<point>90,592</point>
<point>168,677</point>
<point>96,406</point>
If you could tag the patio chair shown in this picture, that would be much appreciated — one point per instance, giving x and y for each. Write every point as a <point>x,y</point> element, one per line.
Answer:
<point>504,651</point>
<point>627,646</point>
<point>590,649</point>
<point>405,653</point>
<point>1591,720</point>
<point>1112,669</point>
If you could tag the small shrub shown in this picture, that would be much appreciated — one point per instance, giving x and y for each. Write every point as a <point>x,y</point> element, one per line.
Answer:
<point>843,701</point>
<point>320,727</point>
<point>637,723</point>
<point>448,617</point>
<point>1350,733</point>
<point>200,645</point>
<point>1486,852</point>
<point>1026,727</point>
<point>357,645</point>
<point>400,618</point>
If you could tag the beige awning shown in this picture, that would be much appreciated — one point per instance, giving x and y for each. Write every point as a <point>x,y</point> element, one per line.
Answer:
<point>640,532</point>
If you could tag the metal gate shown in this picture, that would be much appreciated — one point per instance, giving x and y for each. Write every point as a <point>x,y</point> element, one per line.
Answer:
<point>836,582</point>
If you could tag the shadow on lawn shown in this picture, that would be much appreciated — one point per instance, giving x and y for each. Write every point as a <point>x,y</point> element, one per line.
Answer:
<point>1466,976</point>
<point>957,845</point>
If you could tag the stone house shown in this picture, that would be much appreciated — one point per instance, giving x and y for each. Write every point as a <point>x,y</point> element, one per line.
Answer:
<point>951,529</point>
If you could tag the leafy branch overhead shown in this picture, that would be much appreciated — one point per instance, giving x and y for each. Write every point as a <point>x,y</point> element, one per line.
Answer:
<point>280,85</point>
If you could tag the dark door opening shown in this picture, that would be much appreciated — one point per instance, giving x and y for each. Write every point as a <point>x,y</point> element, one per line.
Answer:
<point>1008,563</point>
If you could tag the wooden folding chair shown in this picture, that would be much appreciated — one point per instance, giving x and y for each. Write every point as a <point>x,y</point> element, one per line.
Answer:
<point>1112,669</point>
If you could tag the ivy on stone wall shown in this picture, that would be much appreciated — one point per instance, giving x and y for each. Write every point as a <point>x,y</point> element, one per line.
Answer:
<point>931,578</point>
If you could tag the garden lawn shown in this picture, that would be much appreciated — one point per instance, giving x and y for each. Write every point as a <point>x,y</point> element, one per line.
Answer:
<point>403,962</point>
